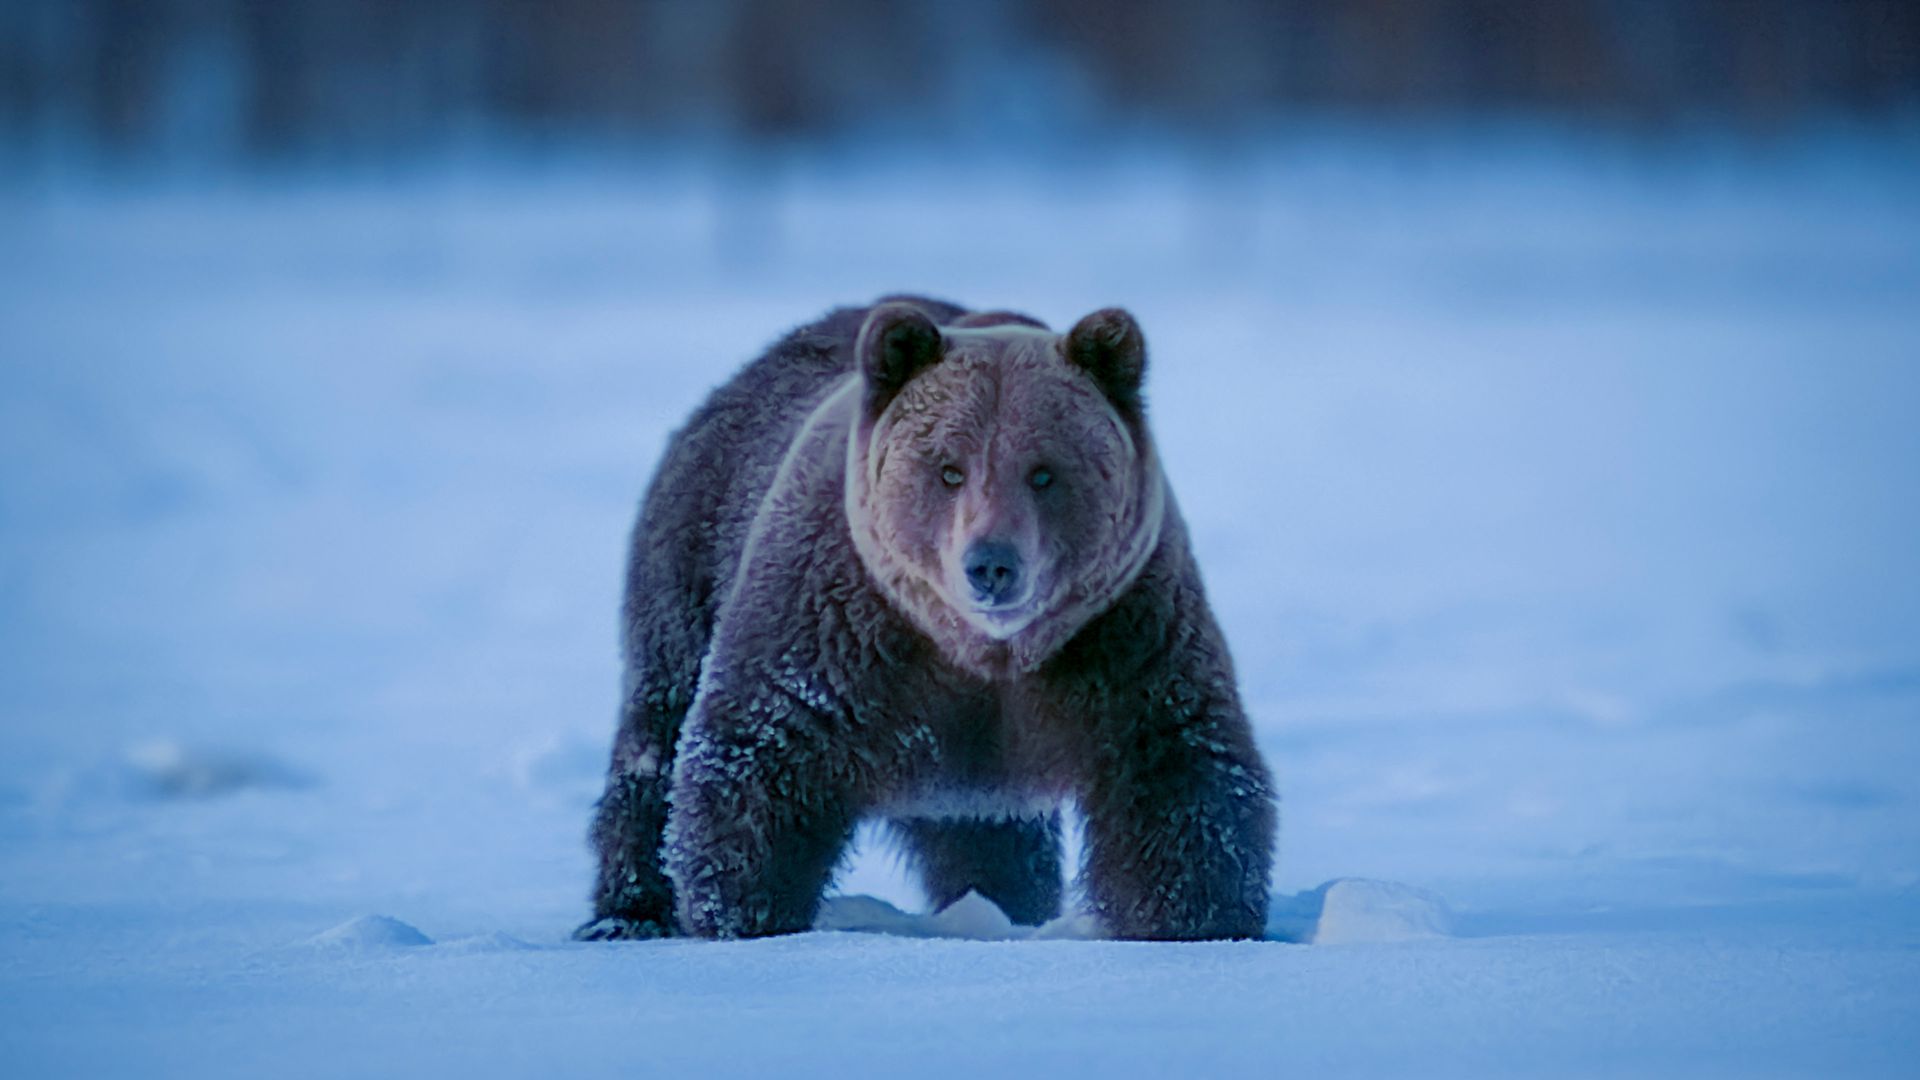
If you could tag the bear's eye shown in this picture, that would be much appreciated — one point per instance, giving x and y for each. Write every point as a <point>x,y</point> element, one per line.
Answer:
<point>1040,479</point>
<point>952,477</point>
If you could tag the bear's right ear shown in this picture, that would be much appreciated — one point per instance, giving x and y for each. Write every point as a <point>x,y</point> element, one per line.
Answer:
<point>896,343</point>
<point>1108,346</point>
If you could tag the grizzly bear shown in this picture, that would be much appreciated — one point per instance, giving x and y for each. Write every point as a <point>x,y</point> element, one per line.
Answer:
<point>921,565</point>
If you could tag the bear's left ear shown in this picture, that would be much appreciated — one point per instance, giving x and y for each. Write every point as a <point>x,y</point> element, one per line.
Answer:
<point>1108,345</point>
<point>896,342</point>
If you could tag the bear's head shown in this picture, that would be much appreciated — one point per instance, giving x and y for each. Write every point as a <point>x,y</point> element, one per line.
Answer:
<point>1001,485</point>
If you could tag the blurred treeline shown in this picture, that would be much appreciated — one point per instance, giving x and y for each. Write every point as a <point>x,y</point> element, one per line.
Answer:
<point>266,78</point>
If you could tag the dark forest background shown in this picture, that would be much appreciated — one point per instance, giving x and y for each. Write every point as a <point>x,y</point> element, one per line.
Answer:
<point>269,79</point>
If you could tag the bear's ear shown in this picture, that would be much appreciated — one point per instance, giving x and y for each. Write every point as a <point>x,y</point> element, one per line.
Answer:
<point>895,344</point>
<point>1108,345</point>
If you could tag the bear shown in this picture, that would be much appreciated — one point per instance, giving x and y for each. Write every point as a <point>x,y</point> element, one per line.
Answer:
<point>919,564</point>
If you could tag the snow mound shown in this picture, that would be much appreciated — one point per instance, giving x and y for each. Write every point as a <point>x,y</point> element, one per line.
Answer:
<point>1073,925</point>
<point>1344,911</point>
<point>1355,910</point>
<point>495,942</point>
<point>370,932</point>
<point>869,915</point>
<point>972,917</point>
<point>1294,917</point>
<point>976,917</point>
<point>166,769</point>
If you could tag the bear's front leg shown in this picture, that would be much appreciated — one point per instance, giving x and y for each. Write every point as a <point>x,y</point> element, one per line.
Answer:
<point>631,895</point>
<point>760,815</point>
<point>1178,846</point>
<point>1180,816</point>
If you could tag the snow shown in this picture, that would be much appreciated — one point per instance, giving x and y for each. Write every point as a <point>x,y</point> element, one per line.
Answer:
<point>1354,910</point>
<point>972,917</point>
<point>1555,495</point>
<point>370,932</point>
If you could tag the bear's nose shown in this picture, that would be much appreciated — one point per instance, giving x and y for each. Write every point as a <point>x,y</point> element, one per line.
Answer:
<point>993,569</point>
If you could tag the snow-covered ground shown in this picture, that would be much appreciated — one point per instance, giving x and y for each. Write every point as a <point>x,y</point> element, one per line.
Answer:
<point>1559,499</point>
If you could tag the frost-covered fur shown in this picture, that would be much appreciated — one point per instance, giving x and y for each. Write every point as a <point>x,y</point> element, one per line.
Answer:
<point>811,640</point>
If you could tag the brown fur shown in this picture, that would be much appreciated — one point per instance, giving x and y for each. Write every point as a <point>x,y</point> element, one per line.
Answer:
<point>998,405</point>
<point>849,664</point>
